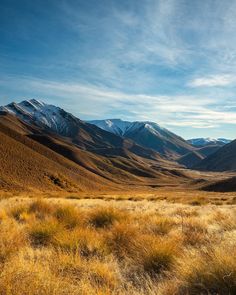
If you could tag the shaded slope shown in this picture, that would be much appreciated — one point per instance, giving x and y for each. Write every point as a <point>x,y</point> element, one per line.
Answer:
<point>191,159</point>
<point>222,160</point>
<point>226,185</point>
<point>208,150</point>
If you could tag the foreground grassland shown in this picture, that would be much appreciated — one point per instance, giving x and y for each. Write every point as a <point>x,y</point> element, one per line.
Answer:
<point>97,247</point>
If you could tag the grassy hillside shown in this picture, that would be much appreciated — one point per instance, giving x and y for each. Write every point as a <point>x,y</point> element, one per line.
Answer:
<point>32,158</point>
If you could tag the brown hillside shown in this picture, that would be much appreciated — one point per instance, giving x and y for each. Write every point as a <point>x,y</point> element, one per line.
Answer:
<point>32,159</point>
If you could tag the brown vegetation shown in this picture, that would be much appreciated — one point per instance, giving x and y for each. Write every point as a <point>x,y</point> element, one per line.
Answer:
<point>124,248</point>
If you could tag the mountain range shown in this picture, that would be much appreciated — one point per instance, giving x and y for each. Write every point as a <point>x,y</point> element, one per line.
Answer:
<point>169,145</point>
<point>201,142</point>
<point>70,153</point>
<point>223,159</point>
<point>149,135</point>
<point>76,155</point>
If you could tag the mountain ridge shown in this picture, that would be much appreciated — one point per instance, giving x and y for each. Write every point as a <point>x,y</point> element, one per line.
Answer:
<point>204,141</point>
<point>32,157</point>
<point>148,134</point>
<point>223,159</point>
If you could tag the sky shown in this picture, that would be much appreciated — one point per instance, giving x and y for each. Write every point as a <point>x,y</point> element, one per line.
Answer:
<point>172,62</point>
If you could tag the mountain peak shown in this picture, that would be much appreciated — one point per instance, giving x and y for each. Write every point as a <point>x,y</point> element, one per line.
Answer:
<point>34,102</point>
<point>148,134</point>
<point>42,114</point>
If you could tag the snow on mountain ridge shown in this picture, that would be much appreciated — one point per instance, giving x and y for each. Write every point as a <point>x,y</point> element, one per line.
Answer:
<point>44,115</point>
<point>121,127</point>
<point>208,140</point>
<point>147,134</point>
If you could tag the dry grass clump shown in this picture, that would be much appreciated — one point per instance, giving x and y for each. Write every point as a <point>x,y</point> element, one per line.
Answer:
<point>123,241</point>
<point>50,248</point>
<point>161,225</point>
<point>225,221</point>
<point>41,208</point>
<point>104,217</point>
<point>210,272</point>
<point>28,274</point>
<point>12,238</point>
<point>68,216</point>
<point>194,232</point>
<point>42,233</point>
<point>83,241</point>
<point>159,257</point>
<point>103,276</point>
<point>18,211</point>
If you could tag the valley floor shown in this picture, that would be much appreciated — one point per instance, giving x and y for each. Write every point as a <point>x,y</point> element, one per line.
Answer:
<point>161,242</point>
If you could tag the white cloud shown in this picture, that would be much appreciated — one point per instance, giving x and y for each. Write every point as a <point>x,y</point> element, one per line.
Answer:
<point>213,81</point>
<point>90,102</point>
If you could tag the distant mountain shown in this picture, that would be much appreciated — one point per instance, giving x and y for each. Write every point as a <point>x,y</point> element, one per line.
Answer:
<point>193,158</point>
<point>200,142</point>
<point>33,157</point>
<point>149,135</point>
<point>224,159</point>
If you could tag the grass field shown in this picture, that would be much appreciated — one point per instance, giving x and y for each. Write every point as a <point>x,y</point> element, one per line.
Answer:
<point>70,246</point>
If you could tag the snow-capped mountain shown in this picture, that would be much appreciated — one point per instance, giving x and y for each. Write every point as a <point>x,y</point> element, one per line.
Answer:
<point>208,141</point>
<point>115,126</point>
<point>43,115</point>
<point>122,128</point>
<point>147,134</point>
<point>51,119</point>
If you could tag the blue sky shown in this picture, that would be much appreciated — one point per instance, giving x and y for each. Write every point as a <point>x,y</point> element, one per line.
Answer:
<point>168,61</point>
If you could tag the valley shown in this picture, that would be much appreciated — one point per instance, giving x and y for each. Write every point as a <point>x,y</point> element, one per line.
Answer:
<point>73,155</point>
<point>133,210</point>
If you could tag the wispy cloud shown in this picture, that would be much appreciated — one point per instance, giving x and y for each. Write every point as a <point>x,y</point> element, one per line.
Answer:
<point>170,111</point>
<point>212,81</point>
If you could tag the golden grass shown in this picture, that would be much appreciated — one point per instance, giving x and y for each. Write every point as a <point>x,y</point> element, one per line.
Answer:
<point>51,247</point>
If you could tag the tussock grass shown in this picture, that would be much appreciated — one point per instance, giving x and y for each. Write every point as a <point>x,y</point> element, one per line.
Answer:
<point>104,217</point>
<point>51,247</point>
<point>210,272</point>
<point>68,216</point>
<point>18,211</point>
<point>159,256</point>
<point>83,241</point>
<point>161,225</point>
<point>41,208</point>
<point>123,241</point>
<point>12,238</point>
<point>42,233</point>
